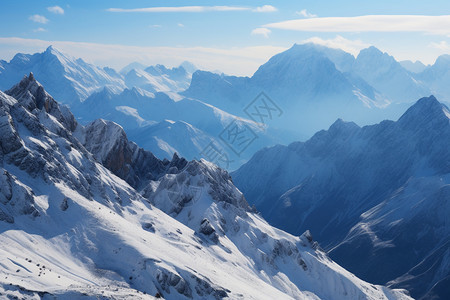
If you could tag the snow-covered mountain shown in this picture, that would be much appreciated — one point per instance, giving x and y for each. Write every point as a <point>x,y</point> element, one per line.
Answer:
<point>168,137</point>
<point>160,79</point>
<point>307,87</point>
<point>314,85</point>
<point>165,126</point>
<point>388,76</point>
<point>73,80</point>
<point>437,77</point>
<point>73,222</point>
<point>70,80</point>
<point>376,197</point>
<point>145,109</point>
<point>131,66</point>
<point>309,83</point>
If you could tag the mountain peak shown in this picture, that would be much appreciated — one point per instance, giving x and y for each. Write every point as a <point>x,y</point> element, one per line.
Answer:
<point>413,66</point>
<point>426,104</point>
<point>20,59</point>
<point>107,92</point>
<point>188,66</point>
<point>29,92</point>
<point>49,48</point>
<point>52,53</point>
<point>134,92</point>
<point>297,65</point>
<point>426,111</point>
<point>340,125</point>
<point>373,49</point>
<point>374,54</point>
<point>27,83</point>
<point>443,60</point>
<point>32,95</point>
<point>52,50</point>
<point>308,48</point>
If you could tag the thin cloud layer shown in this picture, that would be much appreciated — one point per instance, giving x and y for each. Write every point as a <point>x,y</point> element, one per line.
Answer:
<point>442,45</point>
<point>56,10</point>
<point>304,13</point>
<point>265,9</point>
<point>371,23</point>
<point>189,9</point>
<point>261,31</point>
<point>339,42</point>
<point>40,29</point>
<point>193,9</point>
<point>39,19</point>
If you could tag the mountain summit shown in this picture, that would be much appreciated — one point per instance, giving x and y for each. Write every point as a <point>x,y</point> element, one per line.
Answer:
<point>67,78</point>
<point>388,76</point>
<point>426,113</point>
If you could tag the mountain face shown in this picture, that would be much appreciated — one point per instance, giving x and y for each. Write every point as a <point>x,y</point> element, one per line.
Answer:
<point>314,85</point>
<point>74,221</point>
<point>159,79</point>
<point>311,84</point>
<point>414,67</point>
<point>71,80</point>
<point>164,126</point>
<point>437,77</point>
<point>388,76</point>
<point>306,87</point>
<point>375,197</point>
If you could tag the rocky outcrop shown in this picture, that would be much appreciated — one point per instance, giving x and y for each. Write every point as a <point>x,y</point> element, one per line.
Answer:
<point>110,146</point>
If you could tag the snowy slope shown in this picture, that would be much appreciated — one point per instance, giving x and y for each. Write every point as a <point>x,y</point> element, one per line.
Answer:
<point>165,126</point>
<point>376,196</point>
<point>159,79</point>
<point>69,227</point>
<point>73,80</point>
<point>388,76</point>
<point>168,137</point>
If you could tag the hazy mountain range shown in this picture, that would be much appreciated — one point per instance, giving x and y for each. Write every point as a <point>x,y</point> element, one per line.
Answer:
<point>115,217</point>
<point>308,87</point>
<point>376,197</point>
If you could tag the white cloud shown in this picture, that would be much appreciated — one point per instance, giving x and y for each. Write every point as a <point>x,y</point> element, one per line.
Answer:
<point>371,23</point>
<point>265,9</point>
<point>38,19</point>
<point>156,26</point>
<point>339,42</point>
<point>234,61</point>
<point>442,45</point>
<point>56,10</point>
<point>180,25</point>
<point>191,9</point>
<point>40,29</point>
<point>304,13</point>
<point>261,31</point>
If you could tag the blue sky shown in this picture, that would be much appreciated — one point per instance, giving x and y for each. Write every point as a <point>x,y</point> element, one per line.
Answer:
<point>233,36</point>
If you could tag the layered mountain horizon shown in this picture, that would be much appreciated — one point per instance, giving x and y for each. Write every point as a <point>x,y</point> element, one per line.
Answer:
<point>123,184</point>
<point>308,86</point>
